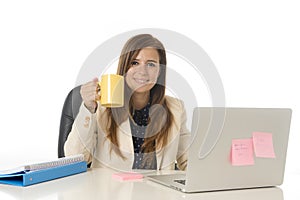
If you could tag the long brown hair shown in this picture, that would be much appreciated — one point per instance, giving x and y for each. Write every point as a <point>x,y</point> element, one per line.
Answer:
<point>161,118</point>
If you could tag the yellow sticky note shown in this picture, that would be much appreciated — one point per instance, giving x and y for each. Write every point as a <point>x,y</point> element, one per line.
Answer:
<point>263,145</point>
<point>242,152</point>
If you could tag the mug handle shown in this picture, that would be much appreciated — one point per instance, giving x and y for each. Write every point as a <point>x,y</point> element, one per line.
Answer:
<point>98,97</point>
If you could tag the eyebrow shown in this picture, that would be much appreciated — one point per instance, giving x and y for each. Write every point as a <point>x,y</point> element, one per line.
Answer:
<point>147,60</point>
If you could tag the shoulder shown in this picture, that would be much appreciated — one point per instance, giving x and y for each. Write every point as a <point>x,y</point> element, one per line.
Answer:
<point>173,101</point>
<point>175,105</point>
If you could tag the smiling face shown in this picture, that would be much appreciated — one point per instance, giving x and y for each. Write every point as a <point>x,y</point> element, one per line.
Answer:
<point>144,70</point>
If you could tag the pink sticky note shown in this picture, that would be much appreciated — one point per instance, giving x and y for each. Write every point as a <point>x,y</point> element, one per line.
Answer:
<point>127,176</point>
<point>263,145</point>
<point>242,152</point>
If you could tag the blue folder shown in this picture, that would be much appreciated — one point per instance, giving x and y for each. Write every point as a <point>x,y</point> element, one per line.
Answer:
<point>25,178</point>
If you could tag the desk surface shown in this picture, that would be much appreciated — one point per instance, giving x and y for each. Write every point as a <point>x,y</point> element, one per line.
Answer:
<point>99,184</point>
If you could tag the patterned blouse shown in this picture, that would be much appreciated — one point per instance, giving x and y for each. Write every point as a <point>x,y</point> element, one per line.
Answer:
<point>138,128</point>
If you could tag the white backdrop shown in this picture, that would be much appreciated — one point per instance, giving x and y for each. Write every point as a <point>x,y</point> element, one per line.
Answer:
<point>255,46</point>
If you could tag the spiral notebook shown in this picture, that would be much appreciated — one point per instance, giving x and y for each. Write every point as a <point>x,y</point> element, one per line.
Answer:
<point>44,171</point>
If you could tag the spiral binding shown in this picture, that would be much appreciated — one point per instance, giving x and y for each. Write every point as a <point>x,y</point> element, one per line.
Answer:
<point>59,162</point>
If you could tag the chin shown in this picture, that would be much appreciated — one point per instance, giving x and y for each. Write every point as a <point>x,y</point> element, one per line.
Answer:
<point>144,88</point>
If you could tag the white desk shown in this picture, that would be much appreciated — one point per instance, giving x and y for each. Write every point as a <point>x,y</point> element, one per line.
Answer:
<point>98,184</point>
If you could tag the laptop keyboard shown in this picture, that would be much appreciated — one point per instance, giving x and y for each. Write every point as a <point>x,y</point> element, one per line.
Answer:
<point>181,181</point>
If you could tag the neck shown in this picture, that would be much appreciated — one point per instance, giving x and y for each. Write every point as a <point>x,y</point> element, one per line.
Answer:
<point>140,100</point>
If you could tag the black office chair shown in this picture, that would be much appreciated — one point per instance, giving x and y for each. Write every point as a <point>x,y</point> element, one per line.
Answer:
<point>69,112</point>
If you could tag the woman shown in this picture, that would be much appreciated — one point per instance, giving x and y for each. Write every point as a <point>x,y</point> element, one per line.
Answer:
<point>148,132</point>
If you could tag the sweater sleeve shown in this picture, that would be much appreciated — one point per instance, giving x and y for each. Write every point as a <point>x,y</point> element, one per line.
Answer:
<point>83,135</point>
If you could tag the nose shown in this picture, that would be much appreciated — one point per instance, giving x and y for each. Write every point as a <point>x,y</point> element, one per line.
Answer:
<point>143,69</point>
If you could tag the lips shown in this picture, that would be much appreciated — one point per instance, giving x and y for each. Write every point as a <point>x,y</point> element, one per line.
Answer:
<point>141,81</point>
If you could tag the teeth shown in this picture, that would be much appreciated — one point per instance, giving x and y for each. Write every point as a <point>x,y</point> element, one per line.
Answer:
<point>141,81</point>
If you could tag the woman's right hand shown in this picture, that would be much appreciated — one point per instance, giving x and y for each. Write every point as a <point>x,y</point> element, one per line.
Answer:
<point>90,93</point>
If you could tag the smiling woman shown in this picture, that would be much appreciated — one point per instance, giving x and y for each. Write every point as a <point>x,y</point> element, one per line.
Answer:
<point>149,131</point>
<point>144,71</point>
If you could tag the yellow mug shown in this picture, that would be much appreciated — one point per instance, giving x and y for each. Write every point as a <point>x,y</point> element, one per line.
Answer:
<point>112,90</point>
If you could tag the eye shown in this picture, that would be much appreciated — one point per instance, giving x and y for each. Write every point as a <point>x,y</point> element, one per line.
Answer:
<point>134,63</point>
<point>150,64</point>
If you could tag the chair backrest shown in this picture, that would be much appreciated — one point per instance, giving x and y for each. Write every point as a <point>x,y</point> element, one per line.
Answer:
<point>69,112</point>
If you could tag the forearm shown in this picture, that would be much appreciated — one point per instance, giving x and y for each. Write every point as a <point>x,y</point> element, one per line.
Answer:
<point>81,139</point>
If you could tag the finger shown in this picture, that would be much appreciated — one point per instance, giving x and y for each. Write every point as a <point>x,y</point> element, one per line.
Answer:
<point>90,87</point>
<point>97,97</point>
<point>98,88</point>
<point>89,90</point>
<point>98,94</point>
<point>95,80</point>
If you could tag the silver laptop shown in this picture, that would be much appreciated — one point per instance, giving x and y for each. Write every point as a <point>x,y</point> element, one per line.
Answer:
<point>234,148</point>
